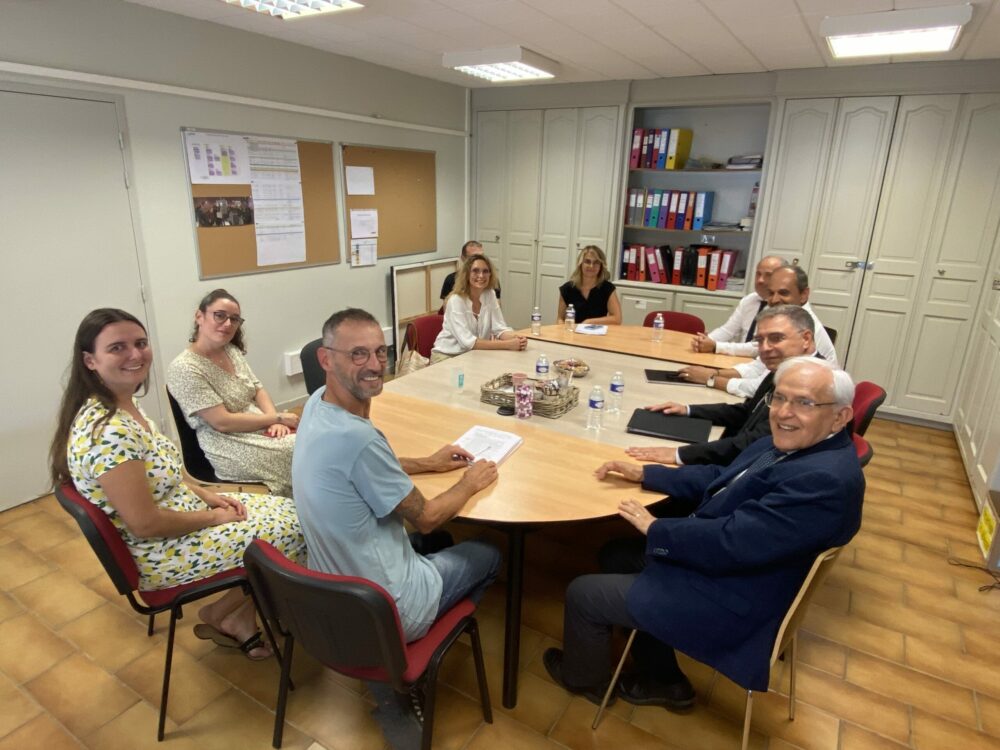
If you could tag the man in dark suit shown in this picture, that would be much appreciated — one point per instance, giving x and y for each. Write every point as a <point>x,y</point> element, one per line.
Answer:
<point>783,331</point>
<point>717,584</point>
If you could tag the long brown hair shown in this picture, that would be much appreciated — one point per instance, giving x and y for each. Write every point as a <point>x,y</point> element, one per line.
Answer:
<point>465,271</point>
<point>208,299</point>
<point>82,384</point>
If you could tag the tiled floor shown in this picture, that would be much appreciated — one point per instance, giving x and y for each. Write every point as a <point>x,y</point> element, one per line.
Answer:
<point>899,649</point>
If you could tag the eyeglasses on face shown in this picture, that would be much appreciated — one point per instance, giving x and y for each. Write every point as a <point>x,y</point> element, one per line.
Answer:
<point>221,316</point>
<point>772,339</point>
<point>799,404</point>
<point>479,272</point>
<point>360,355</point>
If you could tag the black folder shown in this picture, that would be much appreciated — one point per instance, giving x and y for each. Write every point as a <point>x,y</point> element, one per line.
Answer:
<point>669,426</point>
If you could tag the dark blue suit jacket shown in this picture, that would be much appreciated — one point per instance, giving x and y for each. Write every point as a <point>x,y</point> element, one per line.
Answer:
<point>718,583</point>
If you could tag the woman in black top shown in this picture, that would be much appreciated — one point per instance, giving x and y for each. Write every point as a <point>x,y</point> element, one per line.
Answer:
<point>589,290</point>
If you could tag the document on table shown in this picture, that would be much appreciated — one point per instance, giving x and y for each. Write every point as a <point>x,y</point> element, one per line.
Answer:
<point>591,329</point>
<point>489,444</point>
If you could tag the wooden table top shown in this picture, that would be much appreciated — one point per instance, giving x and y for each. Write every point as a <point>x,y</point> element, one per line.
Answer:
<point>637,341</point>
<point>549,478</point>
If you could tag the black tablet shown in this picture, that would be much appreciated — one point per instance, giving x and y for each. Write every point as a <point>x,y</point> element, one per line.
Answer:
<point>669,426</point>
<point>667,377</point>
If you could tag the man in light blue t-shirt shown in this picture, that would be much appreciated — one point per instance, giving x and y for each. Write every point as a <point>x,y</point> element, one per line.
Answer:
<point>352,493</point>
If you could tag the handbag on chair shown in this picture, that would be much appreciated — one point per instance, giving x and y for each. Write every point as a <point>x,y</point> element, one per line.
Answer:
<point>410,360</point>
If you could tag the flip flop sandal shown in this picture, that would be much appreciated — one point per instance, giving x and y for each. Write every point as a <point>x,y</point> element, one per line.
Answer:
<point>210,633</point>
<point>254,642</point>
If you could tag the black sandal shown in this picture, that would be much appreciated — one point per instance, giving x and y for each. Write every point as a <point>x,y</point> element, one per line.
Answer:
<point>251,643</point>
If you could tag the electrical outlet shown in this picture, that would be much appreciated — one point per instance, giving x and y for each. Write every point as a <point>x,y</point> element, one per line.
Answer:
<point>292,363</point>
<point>640,304</point>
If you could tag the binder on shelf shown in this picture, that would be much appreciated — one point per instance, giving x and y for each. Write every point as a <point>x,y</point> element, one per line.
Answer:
<point>702,277</point>
<point>662,161</point>
<point>703,210</point>
<point>646,143</point>
<point>654,269</point>
<point>654,154</point>
<point>633,161</point>
<point>726,267</point>
<point>677,275</point>
<point>689,213</point>
<point>714,261</point>
<point>672,215</point>
<point>665,258</point>
<point>641,264</point>
<point>681,210</point>
<point>633,266</point>
<point>661,220</point>
<point>689,270</point>
<point>633,197</point>
<point>679,148</point>
<point>648,209</point>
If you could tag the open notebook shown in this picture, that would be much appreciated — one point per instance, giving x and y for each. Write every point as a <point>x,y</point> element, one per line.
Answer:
<point>487,443</point>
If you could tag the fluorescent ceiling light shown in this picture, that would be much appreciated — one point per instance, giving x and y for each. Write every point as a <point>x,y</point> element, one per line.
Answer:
<point>288,10</point>
<point>895,32</point>
<point>502,65</point>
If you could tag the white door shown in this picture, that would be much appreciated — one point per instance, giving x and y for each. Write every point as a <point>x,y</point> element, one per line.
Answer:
<point>520,247</point>
<point>965,229</point>
<point>68,247</point>
<point>491,179</point>
<point>847,215</point>
<point>910,195</point>
<point>555,218</point>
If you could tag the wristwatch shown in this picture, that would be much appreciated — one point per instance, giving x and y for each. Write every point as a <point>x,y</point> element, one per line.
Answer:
<point>710,383</point>
<point>278,418</point>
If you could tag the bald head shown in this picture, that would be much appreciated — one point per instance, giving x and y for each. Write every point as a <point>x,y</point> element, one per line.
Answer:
<point>768,265</point>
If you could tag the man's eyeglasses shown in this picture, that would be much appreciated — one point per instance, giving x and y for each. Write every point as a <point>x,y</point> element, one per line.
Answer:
<point>221,316</point>
<point>773,339</point>
<point>798,404</point>
<point>360,355</point>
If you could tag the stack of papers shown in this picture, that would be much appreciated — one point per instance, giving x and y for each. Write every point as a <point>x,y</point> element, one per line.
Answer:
<point>591,329</point>
<point>489,444</point>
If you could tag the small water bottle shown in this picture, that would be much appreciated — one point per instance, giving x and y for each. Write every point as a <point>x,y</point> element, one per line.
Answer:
<point>542,367</point>
<point>595,410</point>
<point>615,393</point>
<point>536,322</point>
<point>570,318</point>
<point>658,328</point>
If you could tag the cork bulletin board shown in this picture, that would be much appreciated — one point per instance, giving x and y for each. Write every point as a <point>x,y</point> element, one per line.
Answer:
<point>405,196</point>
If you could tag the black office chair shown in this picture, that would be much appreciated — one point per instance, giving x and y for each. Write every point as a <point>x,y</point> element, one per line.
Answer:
<point>195,460</point>
<point>311,371</point>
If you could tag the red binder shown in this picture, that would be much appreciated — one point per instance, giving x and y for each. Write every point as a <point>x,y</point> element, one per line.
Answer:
<point>641,263</point>
<point>702,276</point>
<point>633,160</point>
<point>675,277</point>
<point>654,269</point>
<point>646,144</point>
<point>726,267</point>
<point>672,215</point>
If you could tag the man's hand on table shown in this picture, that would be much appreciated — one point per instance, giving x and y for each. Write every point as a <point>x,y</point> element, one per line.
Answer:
<point>631,472</point>
<point>702,343</point>
<point>480,475</point>
<point>654,455</point>
<point>669,407</point>
<point>696,374</point>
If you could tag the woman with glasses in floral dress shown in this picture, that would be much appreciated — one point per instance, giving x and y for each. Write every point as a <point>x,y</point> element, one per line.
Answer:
<point>243,435</point>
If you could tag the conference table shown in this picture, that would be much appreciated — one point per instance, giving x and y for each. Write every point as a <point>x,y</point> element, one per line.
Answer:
<point>550,477</point>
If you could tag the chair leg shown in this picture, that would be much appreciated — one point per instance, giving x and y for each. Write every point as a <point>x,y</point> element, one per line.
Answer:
<point>477,655</point>
<point>791,680</point>
<point>746,720</point>
<point>614,681</point>
<point>150,626</point>
<point>430,697</point>
<point>166,672</point>
<point>286,671</point>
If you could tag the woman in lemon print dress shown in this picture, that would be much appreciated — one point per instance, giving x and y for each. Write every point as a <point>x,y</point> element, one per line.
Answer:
<point>176,531</point>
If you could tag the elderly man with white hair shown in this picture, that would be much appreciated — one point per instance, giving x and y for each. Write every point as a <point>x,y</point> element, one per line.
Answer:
<point>717,583</point>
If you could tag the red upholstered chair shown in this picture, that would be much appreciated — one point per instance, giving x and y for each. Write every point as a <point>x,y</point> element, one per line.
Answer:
<point>864,449</point>
<point>111,550</point>
<point>868,397</point>
<point>422,332</point>
<point>352,626</point>
<point>676,321</point>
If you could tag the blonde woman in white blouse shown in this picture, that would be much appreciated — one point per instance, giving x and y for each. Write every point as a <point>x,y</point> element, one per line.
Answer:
<point>472,316</point>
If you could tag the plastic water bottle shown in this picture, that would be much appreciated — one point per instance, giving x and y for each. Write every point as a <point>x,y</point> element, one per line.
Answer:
<point>658,328</point>
<point>595,410</point>
<point>536,322</point>
<point>615,392</point>
<point>542,367</point>
<point>570,318</point>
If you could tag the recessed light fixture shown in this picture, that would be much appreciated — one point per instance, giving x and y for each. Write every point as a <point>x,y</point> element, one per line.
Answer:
<point>895,32</point>
<point>288,10</point>
<point>502,65</point>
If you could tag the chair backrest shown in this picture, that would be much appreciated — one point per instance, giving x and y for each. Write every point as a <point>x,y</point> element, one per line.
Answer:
<point>797,609</point>
<point>863,448</point>
<point>103,537</point>
<point>868,397</point>
<point>342,621</point>
<point>422,332</point>
<point>314,375</point>
<point>195,461</point>
<point>676,321</point>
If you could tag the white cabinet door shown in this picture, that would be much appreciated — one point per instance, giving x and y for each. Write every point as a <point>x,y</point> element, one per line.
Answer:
<point>524,148</point>
<point>714,311</point>
<point>847,214</point>
<point>637,305</point>
<point>555,220</point>
<point>965,229</point>
<point>799,175</point>
<point>594,200</point>
<point>491,179</point>
<point>910,195</point>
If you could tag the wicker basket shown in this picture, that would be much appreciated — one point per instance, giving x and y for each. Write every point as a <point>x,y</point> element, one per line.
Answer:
<point>548,400</point>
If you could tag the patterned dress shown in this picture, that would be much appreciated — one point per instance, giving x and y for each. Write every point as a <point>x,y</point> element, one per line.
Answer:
<point>170,561</point>
<point>198,383</point>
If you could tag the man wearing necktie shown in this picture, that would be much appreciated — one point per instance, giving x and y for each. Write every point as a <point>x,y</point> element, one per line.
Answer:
<point>717,583</point>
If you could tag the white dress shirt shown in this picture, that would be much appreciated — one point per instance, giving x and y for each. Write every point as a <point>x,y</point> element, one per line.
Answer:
<point>730,337</point>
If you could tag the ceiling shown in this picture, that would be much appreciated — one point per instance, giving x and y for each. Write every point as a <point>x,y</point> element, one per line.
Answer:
<point>593,40</point>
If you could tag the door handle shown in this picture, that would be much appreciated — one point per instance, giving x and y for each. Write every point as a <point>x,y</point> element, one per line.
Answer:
<point>859,264</point>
